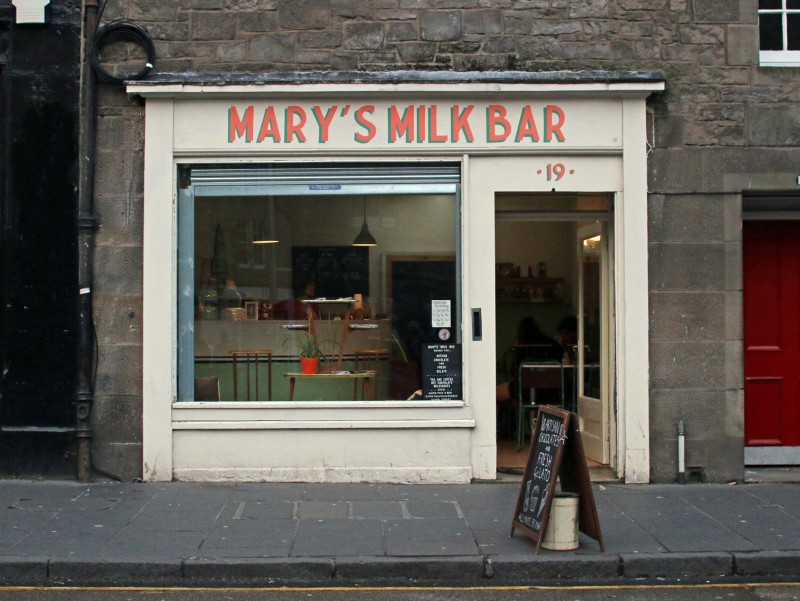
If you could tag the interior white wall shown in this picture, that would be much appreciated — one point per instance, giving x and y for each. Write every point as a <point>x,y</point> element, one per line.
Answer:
<point>401,224</point>
<point>527,243</point>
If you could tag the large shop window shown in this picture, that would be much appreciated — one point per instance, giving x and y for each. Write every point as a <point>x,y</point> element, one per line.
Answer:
<point>278,262</point>
<point>779,33</point>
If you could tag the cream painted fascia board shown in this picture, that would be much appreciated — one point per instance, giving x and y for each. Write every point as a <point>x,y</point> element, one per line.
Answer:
<point>356,89</point>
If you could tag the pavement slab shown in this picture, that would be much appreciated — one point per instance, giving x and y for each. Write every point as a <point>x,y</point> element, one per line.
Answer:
<point>370,510</point>
<point>661,510</point>
<point>276,535</point>
<point>331,537</point>
<point>441,537</point>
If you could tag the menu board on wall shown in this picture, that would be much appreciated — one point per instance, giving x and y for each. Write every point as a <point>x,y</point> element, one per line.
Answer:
<point>337,271</point>
<point>441,371</point>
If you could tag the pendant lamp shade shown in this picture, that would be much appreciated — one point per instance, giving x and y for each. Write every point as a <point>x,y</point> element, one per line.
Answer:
<point>364,238</point>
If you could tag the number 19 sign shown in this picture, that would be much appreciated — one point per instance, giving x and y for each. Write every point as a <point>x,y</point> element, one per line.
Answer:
<point>555,171</point>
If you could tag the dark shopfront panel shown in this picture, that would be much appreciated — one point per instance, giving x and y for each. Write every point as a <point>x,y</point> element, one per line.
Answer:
<point>38,341</point>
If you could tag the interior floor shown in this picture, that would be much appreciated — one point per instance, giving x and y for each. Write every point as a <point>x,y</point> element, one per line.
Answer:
<point>511,463</point>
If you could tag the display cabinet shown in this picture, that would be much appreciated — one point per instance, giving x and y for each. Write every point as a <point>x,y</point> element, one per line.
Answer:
<point>529,290</point>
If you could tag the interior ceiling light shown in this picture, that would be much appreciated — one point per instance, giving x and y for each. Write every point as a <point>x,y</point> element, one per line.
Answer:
<point>364,238</point>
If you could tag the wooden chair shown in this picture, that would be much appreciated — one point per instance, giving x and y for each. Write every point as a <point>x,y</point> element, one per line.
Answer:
<point>369,359</point>
<point>537,376</point>
<point>254,357</point>
<point>337,365</point>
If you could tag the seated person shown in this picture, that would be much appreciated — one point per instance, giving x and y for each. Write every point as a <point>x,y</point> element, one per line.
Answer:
<point>531,345</point>
<point>568,337</point>
<point>290,308</point>
<point>295,308</point>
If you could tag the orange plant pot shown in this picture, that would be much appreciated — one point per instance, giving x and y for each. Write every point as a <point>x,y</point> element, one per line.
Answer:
<point>309,364</point>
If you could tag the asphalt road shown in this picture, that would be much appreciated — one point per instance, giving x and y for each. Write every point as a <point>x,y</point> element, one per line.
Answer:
<point>760,592</point>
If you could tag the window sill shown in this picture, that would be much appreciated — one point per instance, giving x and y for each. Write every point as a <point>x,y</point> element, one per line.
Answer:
<point>335,415</point>
<point>194,405</point>
<point>323,424</point>
<point>779,58</point>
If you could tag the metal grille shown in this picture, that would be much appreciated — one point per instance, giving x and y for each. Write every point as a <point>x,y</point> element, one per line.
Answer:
<point>325,179</point>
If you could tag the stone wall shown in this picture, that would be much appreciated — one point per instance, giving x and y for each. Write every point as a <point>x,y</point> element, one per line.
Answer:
<point>117,411</point>
<point>719,117</point>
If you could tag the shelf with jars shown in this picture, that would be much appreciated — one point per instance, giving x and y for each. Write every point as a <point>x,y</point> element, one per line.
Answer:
<point>529,290</point>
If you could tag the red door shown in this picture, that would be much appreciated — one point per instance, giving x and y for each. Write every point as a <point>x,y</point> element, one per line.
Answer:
<point>771,254</point>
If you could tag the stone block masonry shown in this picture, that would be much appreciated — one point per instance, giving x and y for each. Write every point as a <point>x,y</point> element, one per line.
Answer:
<point>720,115</point>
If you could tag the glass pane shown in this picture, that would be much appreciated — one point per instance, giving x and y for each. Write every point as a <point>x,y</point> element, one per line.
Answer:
<point>793,4</point>
<point>769,4</point>
<point>590,266</point>
<point>793,31</point>
<point>552,202</point>
<point>770,32</point>
<point>278,277</point>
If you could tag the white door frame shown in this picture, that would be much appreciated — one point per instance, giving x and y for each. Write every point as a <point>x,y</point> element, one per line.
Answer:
<point>624,176</point>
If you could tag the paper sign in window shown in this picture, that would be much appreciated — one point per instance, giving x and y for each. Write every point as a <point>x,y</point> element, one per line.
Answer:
<point>440,314</point>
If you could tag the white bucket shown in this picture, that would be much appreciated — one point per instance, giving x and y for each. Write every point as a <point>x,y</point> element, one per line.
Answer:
<point>561,533</point>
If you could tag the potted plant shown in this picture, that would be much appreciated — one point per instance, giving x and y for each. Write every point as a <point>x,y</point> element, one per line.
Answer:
<point>309,353</point>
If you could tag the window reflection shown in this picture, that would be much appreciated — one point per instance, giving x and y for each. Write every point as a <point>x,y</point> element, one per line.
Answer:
<point>272,272</point>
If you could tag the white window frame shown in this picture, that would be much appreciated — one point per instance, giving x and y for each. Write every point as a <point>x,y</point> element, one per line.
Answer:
<point>366,179</point>
<point>780,58</point>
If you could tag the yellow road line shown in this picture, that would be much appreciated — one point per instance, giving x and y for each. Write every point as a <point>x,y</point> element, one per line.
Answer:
<point>302,589</point>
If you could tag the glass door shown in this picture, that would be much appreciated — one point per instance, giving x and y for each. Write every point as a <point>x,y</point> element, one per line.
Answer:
<point>593,335</point>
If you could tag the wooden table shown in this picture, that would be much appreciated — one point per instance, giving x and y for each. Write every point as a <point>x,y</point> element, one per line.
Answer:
<point>365,376</point>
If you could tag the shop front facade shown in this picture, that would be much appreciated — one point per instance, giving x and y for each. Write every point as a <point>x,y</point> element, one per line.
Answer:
<point>508,163</point>
<point>301,167</point>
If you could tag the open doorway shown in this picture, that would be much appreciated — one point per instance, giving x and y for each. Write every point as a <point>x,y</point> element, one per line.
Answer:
<point>553,311</point>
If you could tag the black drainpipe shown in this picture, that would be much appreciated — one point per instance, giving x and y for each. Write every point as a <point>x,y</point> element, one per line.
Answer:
<point>84,395</point>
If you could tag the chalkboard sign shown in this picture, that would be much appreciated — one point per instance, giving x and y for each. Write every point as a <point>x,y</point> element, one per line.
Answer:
<point>441,371</point>
<point>556,454</point>
<point>337,271</point>
<point>541,472</point>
